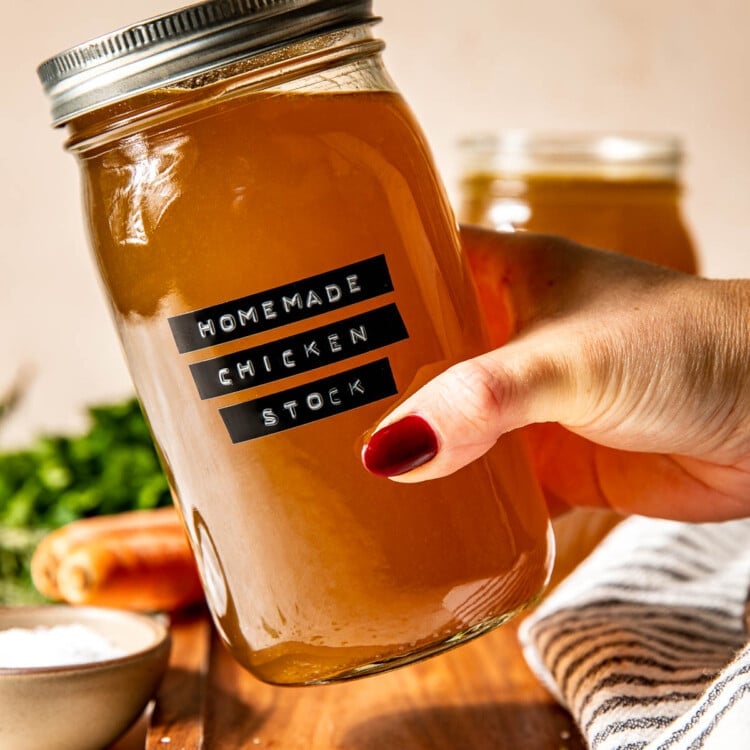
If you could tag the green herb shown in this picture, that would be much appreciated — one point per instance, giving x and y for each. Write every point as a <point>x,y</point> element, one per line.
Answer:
<point>111,468</point>
<point>16,548</point>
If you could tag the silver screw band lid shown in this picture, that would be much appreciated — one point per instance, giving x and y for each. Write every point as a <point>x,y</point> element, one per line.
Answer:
<point>182,44</point>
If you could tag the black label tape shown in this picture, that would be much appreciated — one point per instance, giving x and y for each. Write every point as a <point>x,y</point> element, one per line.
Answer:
<point>300,353</point>
<point>285,304</point>
<point>310,403</point>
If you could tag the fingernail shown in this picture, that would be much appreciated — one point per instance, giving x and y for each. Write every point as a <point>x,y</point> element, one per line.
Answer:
<point>400,447</point>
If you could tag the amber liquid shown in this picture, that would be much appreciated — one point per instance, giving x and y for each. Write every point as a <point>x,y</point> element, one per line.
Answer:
<point>639,216</point>
<point>314,569</point>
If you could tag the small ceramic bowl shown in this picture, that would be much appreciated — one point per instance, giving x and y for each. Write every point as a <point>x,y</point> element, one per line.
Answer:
<point>83,706</point>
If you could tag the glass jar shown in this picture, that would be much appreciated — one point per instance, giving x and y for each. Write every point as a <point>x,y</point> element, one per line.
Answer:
<point>283,267</point>
<point>613,191</point>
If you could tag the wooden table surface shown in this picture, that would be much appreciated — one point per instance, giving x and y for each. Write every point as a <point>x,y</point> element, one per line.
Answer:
<point>480,695</point>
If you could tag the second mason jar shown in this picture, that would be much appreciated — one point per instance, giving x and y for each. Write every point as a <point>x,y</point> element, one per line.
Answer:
<point>615,191</point>
<point>283,267</point>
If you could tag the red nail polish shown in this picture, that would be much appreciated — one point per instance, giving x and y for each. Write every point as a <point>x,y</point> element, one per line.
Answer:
<point>400,447</point>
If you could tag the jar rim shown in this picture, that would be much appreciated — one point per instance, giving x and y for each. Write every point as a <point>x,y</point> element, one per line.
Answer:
<point>575,153</point>
<point>182,44</point>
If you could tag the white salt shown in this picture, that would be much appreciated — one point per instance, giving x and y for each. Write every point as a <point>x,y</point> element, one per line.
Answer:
<point>53,647</point>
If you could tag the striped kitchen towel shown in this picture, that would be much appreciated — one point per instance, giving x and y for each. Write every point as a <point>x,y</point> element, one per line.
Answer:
<point>646,642</point>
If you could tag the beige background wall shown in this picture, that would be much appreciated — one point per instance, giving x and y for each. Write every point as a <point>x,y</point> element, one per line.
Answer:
<point>675,65</point>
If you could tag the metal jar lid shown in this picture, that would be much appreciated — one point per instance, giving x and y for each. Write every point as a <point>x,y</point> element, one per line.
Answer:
<point>182,44</point>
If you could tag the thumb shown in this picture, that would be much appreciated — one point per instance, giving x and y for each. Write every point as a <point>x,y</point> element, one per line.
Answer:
<point>459,415</point>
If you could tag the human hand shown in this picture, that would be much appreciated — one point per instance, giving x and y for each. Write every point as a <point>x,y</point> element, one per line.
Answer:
<point>635,381</point>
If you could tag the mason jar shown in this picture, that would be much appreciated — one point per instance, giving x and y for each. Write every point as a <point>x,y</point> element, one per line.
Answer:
<point>283,267</point>
<point>614,191</point>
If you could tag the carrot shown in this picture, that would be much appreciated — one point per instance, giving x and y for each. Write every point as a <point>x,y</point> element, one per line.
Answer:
<point>147,570</point>
<point>137,560</point>
<point>53,548</point>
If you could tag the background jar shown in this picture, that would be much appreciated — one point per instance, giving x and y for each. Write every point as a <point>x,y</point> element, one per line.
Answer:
<point>607,190</point>
<point>614,191</point>
<point>283,267</point>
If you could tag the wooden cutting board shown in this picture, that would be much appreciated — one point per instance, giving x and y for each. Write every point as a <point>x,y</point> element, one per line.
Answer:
<point>481,695</point>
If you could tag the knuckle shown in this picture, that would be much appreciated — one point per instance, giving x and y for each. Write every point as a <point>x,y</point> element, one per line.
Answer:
<point>474,393</point>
